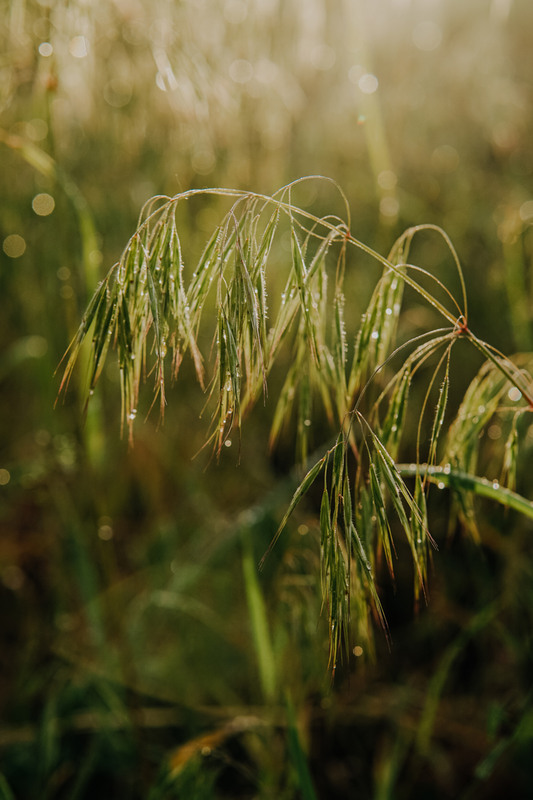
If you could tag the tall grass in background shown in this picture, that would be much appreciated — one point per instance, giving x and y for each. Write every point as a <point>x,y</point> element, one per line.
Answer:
<point>143,651</point>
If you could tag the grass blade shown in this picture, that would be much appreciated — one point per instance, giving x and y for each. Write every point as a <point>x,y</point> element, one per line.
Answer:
<point>302,489</point>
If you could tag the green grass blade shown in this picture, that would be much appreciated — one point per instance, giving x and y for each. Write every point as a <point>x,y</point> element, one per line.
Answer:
<point>298,758</point>
<point>259,621</point>
<point>302,489</point>
<point>465,482</point>
<point>440,411</point>
<point>5,791</point>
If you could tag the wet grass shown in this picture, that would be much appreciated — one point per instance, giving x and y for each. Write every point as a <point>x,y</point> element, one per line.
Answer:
<point>144,652</point>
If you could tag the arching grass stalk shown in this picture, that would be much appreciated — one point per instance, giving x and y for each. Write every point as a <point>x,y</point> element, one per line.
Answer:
<point>226,312</point>
<point>465,482</point>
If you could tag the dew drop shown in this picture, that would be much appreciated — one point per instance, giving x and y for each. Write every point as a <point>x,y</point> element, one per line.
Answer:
<point>132,414</point>
<point>440,485</point>
<point>307,423</point>
<point>514,394</point>
<point>375,335</point>
<point>495,485</point>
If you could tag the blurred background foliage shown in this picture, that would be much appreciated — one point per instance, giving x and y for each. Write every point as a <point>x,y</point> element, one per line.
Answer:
<point>142,653</point>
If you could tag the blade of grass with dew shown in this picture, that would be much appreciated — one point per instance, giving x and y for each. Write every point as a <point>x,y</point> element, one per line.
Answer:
<point>339,353</point>
<point>385,535</point>
<point>300,492</point>
<point>300,270</point>
<point>399,495</point>
<point>420,526</point>
<point>304,417</point>
<point>284,405</point>
<point>510,456</point>
<point>379,324</point>
<point>479,404</point>
<point>368,578</point>
<point>519,378</point>
<point>392,426</point>
<point>465,482</point>
<point>440,411</point>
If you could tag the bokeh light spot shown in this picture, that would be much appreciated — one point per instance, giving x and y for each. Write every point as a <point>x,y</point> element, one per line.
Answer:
<point>105,533</point>
<point>117,93</point>
<point>355,73</point>
<point>36,346</point>
<point>63,273</point>
<point>66,292</point>
<point>14,245</point>
<point>13,577</point>
<point>203,161</point>
<point>526,211</point>
<point>494,431</point>
<point>5,477</point>
<point>43,204</point>
<point>241,71</point>
<point>368,83</point>
<point>387,180</point>
<point>389,207</point>
<point>445,158</point>
<point>78,47</point>
<point>46,49</point>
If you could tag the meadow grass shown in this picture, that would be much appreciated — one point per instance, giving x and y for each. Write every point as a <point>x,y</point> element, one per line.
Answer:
<point>152,309</point>
<point>145,653</point>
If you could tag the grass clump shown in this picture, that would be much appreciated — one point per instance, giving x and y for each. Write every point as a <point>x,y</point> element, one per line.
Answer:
<point>226,313</point>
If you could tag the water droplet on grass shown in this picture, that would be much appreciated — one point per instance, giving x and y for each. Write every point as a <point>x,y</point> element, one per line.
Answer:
<point>514,394</point>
